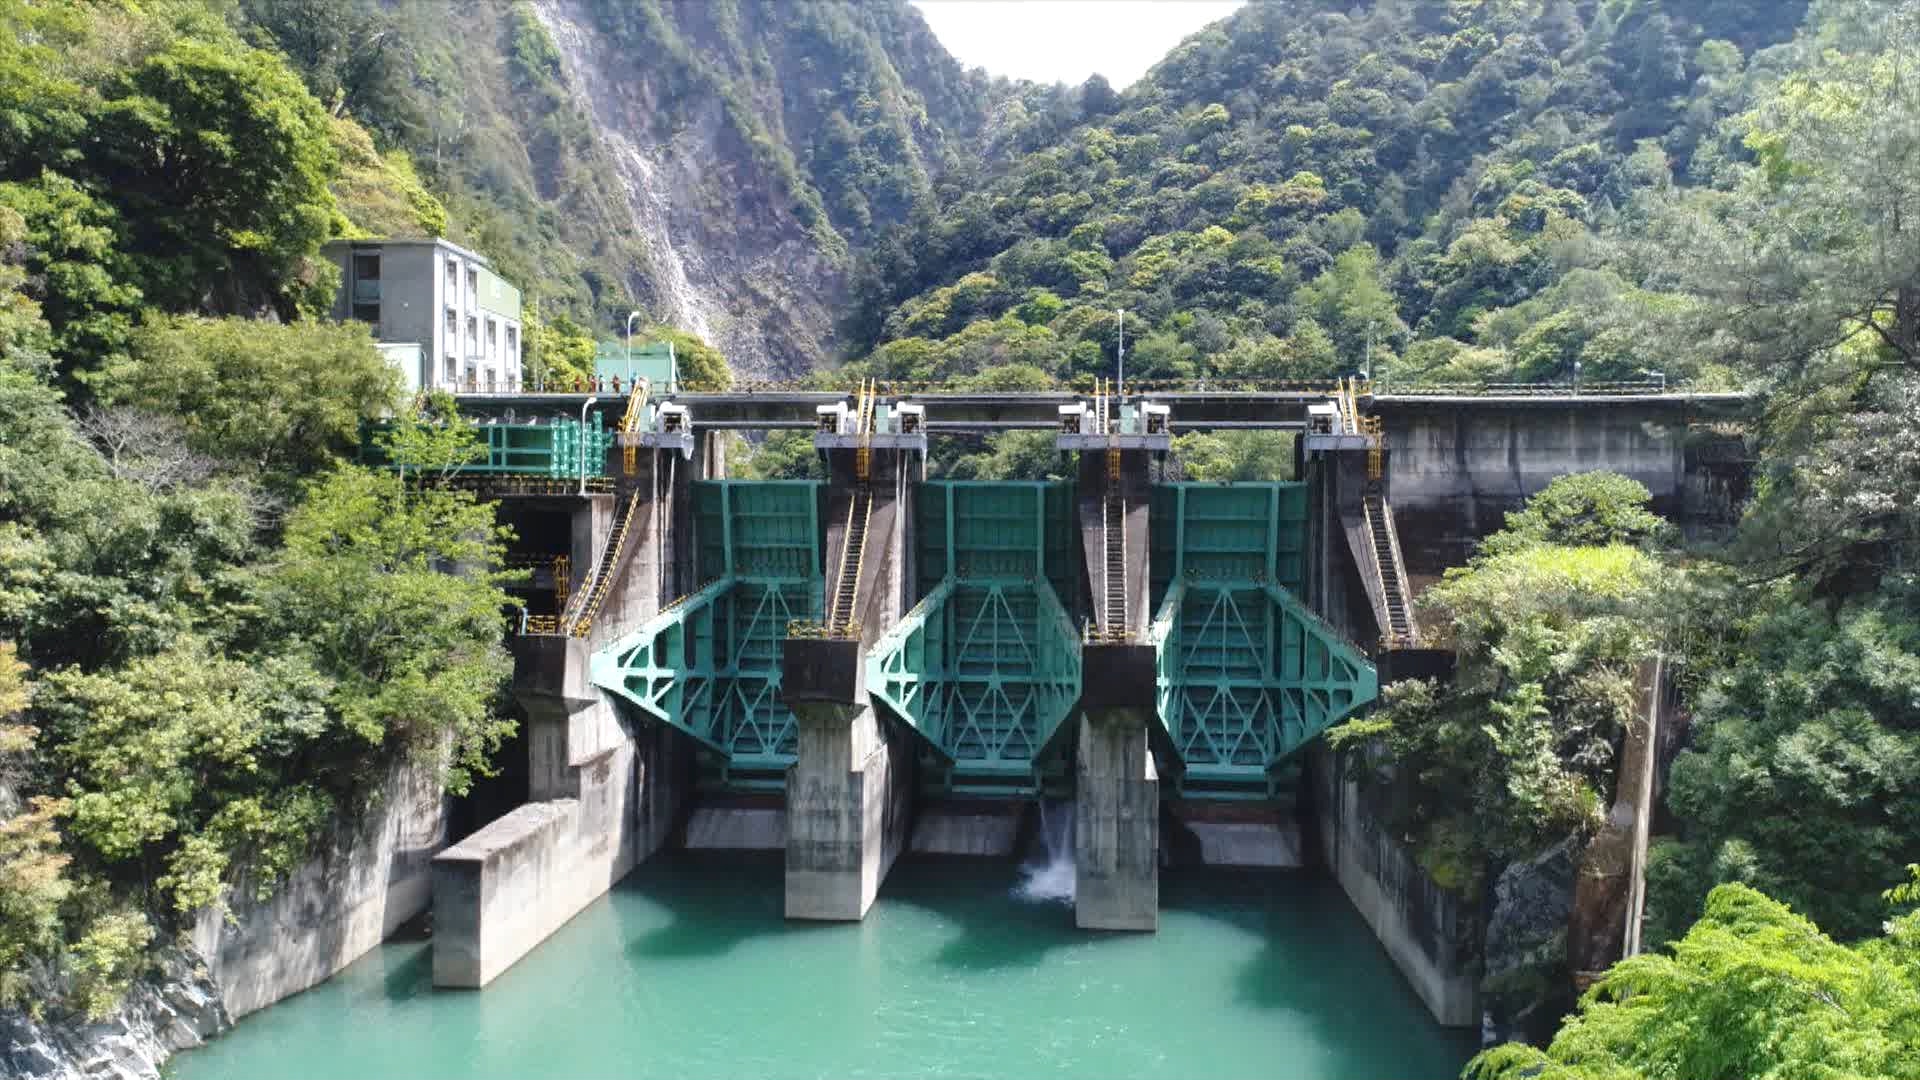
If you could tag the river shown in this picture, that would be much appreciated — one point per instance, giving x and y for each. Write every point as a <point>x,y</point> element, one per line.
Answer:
<point>687,971</point>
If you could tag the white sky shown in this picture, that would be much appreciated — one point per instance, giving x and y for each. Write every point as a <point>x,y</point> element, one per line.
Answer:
<point>1067,40</point>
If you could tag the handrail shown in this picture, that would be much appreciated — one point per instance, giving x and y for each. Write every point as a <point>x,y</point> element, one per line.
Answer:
<point>630,424</point>
<point>1400,573</point>
<point>579,621</point>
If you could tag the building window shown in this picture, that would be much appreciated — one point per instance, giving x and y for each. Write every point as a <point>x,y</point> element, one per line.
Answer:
<point>473,337</point>
<point>473,284</point>
<point>513,344</point>
<point>453,281</point>
<point>452,345</point>
<point>366,287</point>
<point>493,340</point>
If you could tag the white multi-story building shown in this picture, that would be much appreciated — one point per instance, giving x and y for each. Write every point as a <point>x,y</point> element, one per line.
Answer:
<point>438,310</point>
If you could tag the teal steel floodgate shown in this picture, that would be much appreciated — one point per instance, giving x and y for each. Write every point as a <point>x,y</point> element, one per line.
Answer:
<point>1246,673</point>
<point>709,664</point>
<point>986,667</point>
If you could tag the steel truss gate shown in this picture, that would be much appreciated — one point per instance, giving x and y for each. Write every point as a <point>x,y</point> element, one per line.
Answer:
<point>709,663</point>
<point>1246,673</point>
<point>986,667</point>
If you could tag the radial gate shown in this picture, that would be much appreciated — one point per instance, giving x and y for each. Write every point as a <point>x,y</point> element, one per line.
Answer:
<point>709,664</point>
<point>986,667</point>
<point>1247,674</point>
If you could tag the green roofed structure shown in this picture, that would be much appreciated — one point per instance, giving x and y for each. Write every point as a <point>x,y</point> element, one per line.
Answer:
<point>653,362</point>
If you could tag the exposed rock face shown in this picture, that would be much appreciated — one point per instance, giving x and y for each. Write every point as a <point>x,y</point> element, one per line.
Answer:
<point>760,148</point>
<point>1526,943</point>
<point>369,876</point>
<point>176,1008</point>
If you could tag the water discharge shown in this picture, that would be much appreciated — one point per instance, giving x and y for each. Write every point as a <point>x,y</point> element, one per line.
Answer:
<point>688,971</point>
<point>1048,873</point>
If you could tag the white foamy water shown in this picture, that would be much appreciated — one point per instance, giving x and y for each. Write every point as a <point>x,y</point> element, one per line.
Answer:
<point>1049,875</point>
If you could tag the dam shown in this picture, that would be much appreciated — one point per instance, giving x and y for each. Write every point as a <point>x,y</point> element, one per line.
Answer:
<point>841,719</point>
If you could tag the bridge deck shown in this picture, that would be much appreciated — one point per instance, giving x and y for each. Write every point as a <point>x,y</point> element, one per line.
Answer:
<point>1190,410</point>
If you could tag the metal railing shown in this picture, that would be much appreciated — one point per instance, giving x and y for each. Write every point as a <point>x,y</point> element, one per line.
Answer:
<point>1137,388</point>
<point>508,484</point>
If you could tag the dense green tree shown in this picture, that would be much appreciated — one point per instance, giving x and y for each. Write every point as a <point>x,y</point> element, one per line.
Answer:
<point>1549,623</point>
<point>703,368</point>
<point>1235,455</point>
<point>1803,777</point>
<point>32,880</point>
<point>1815,239</point>
<point>220,162</point>
<point>395,594</point>
<point>72,243</point>
<point>352,55</point>
<point>1351,302</point>
<point>785,455</point>
<point>281,400</point>
<point>167,767</point>
<point>1322,175</point>
<point>1753,990</point>
<point>1013,455</point>
<point>1583,510</point>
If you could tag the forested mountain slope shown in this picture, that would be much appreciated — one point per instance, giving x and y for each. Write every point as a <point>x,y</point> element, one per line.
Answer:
<point>1310,183</point>
<point>715,163</point>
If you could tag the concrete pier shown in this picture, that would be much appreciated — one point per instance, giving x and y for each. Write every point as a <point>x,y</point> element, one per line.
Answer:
<point>1116,824</point>
<point>849,805</point>
<point>850,790</point>
<point>604,797</point>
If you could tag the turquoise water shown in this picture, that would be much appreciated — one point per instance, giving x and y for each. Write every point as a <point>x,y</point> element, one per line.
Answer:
<point>688,971</point>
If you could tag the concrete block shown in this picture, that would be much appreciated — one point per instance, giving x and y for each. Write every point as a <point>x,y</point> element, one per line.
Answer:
<point>1116,824</point>
<point>849,801</point>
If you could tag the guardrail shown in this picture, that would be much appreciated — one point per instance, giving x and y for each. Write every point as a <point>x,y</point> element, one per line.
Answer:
<point>1134,387</point>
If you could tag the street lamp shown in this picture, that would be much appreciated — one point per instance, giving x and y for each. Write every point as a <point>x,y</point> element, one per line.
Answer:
<point>631,315</point>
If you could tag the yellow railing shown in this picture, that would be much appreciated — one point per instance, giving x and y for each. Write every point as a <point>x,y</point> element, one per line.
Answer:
<point>809,628</point>
<point>631,423</point>
<point>863,425</point>
<point>1375,431</point>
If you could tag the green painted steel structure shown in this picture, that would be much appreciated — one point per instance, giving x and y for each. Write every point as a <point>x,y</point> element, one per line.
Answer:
<point>710,664</point>
<point>550,448</point>
<point>1246,673</point>
<point>986,667</point>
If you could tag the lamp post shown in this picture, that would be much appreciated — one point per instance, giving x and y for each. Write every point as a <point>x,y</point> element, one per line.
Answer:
<point>631,315</point>
<point>584,406</point>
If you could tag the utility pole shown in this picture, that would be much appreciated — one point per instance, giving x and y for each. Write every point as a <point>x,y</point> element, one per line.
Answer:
<point>1120,378</point>
<point>631,315</point>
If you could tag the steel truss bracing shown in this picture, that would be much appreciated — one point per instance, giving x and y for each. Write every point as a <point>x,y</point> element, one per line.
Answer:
<point>709,664</point>
<point>1246,673</point>
<point>986,667</point>
<point>986,672</point>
